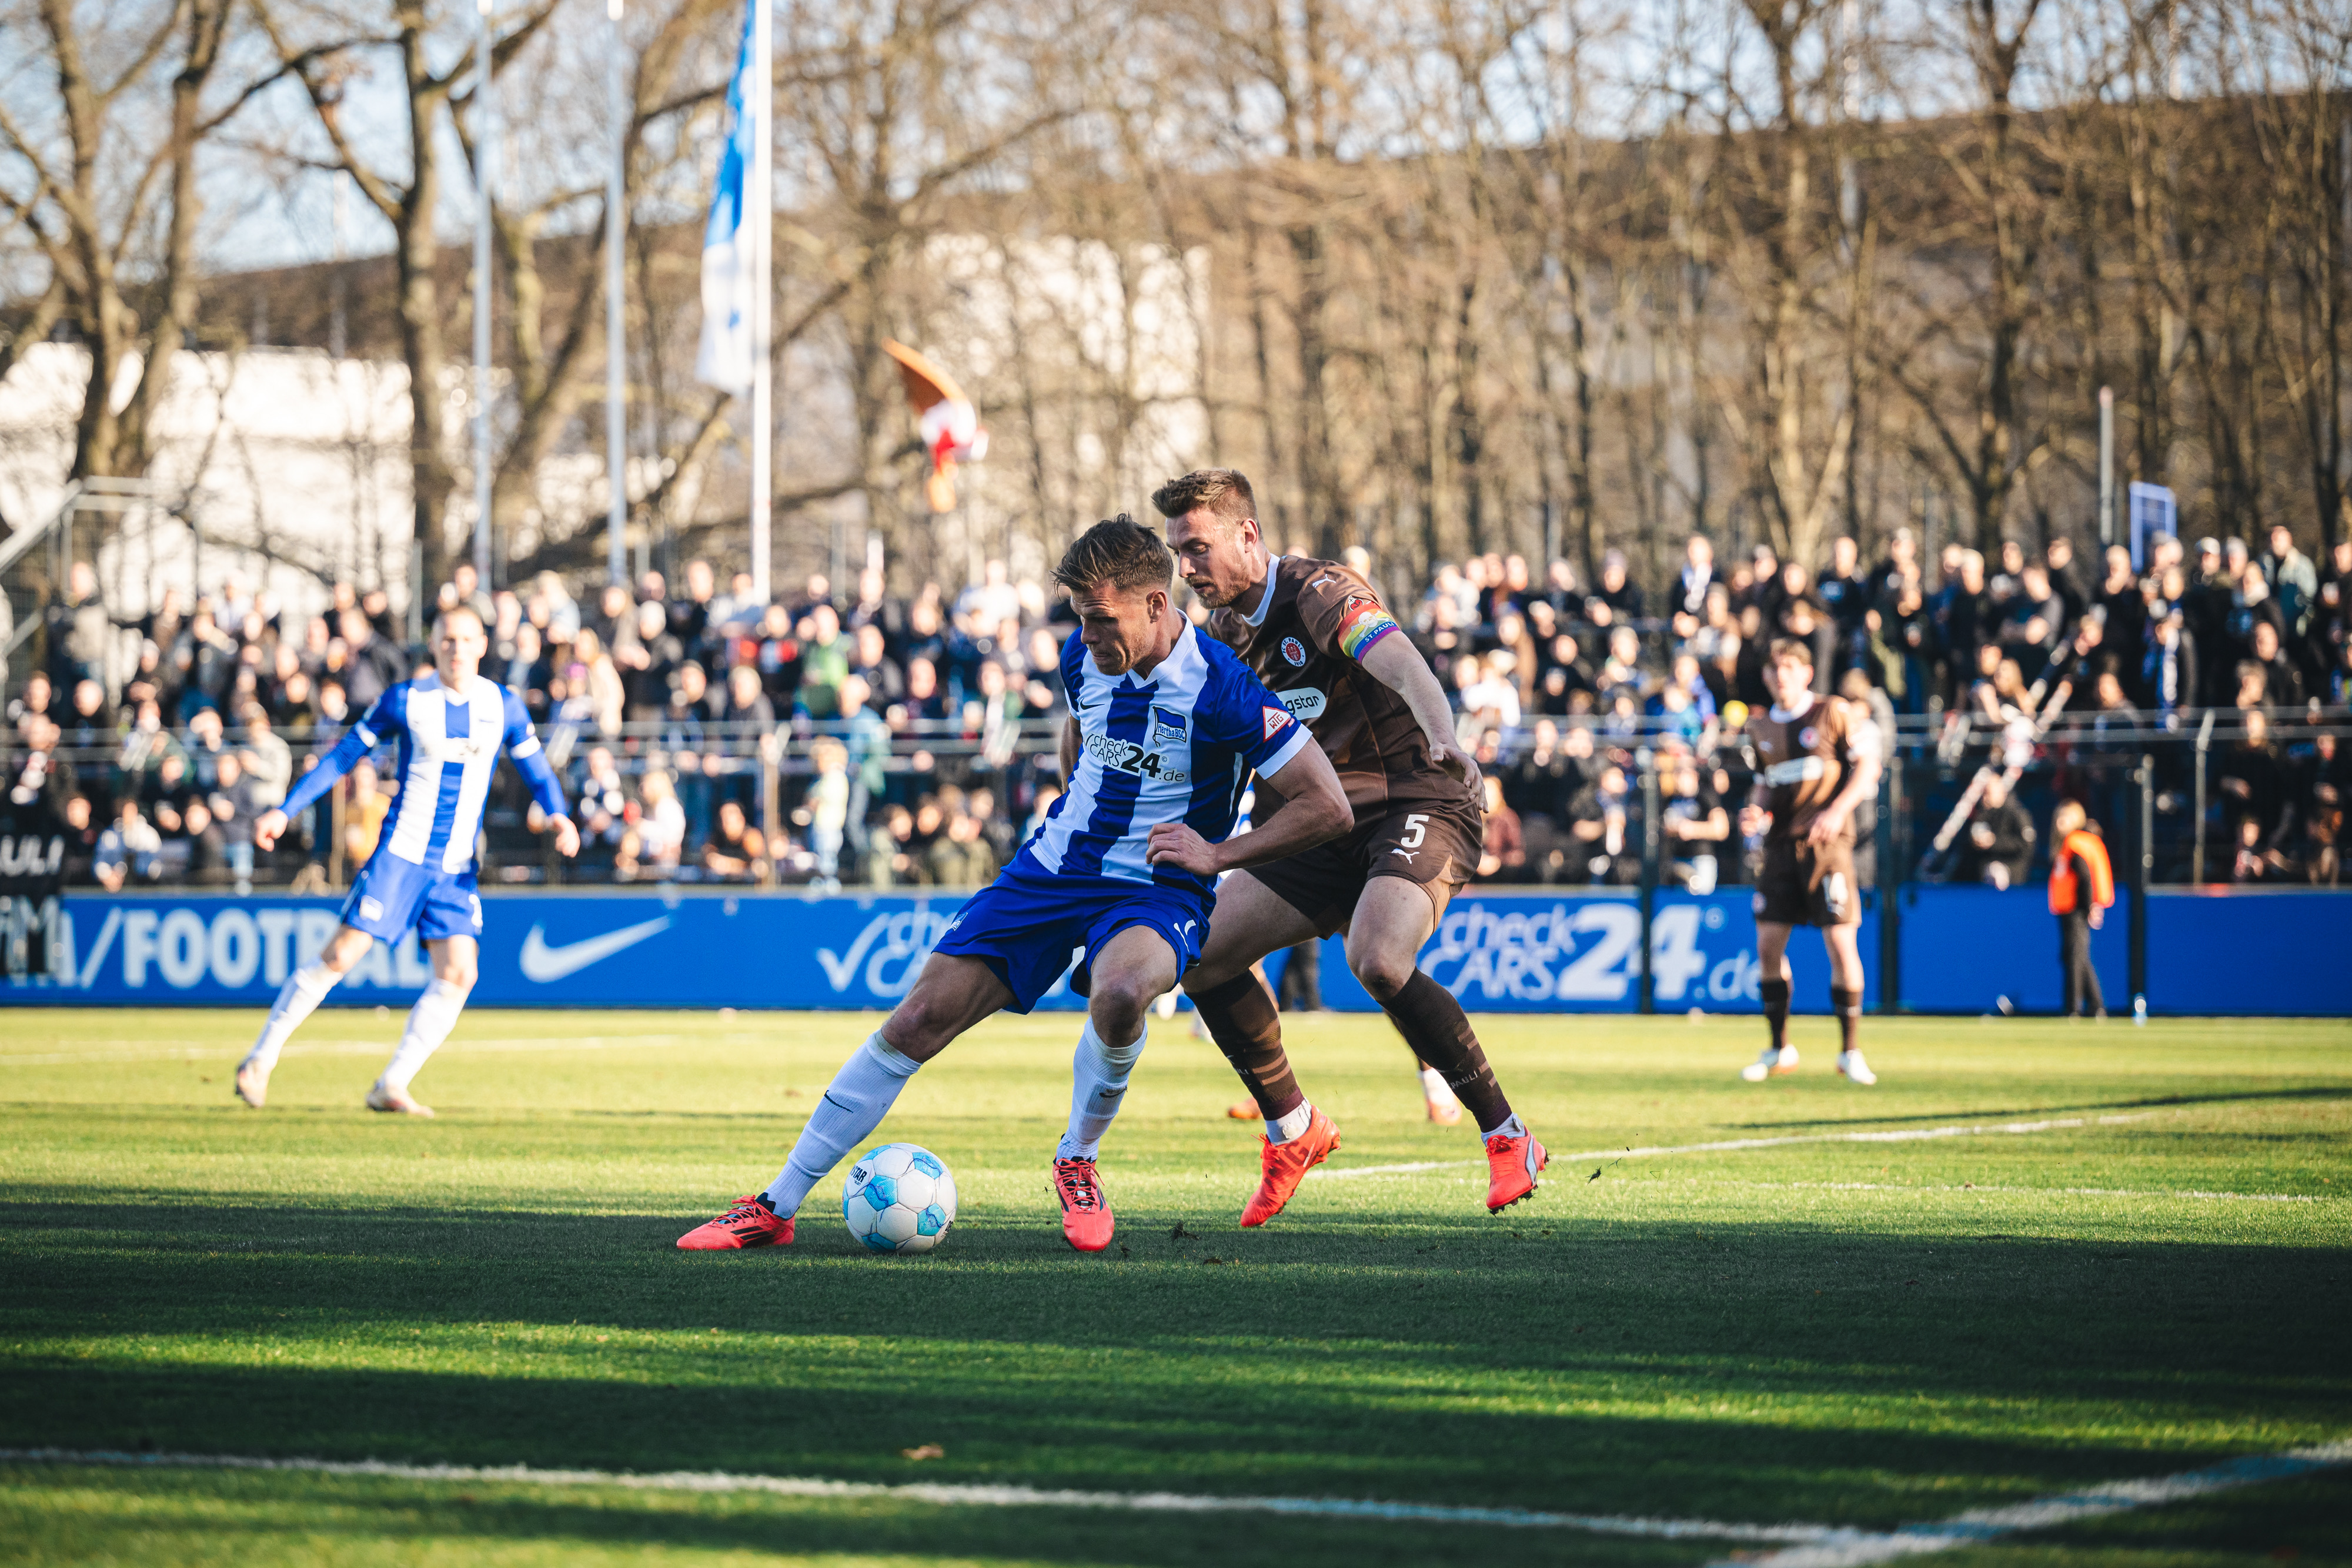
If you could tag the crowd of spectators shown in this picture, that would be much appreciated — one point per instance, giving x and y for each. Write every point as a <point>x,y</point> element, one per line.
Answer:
<point>910,740</point>
<point>1565,686</point>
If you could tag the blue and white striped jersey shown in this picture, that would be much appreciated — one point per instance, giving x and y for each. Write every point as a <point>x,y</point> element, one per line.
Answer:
<point>1176,746</point>
<point>449,745</point>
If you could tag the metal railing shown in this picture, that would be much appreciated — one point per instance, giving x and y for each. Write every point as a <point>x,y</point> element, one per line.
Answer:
<point>2174,794</point>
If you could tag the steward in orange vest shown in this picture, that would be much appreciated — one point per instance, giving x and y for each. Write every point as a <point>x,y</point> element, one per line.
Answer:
<point>2082,889</point>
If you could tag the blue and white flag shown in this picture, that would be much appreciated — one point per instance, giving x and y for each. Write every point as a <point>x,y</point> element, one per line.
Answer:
<point>729,277</point>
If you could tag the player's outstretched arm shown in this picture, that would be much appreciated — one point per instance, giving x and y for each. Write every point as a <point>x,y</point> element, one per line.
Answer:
<point>1315,808</point>
<point>1396,665</point>
<point>385,717</point>
<point>522,745</point>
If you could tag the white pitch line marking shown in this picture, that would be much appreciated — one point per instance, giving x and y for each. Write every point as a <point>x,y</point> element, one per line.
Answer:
<point>1856,1550</point>
<point>1811,1545</point>
<point>2068,1191</point>
<point>1897,1135</point>
<point>952,1496</point>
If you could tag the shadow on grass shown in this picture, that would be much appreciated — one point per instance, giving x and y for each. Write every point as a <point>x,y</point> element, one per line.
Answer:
<point>2315,1091</point>
<point>1758,1371</point>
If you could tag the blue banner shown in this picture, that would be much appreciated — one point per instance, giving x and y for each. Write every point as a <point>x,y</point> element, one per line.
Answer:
<point>1962,950</point>
<point>1581,953</point>
<point>2250,950</point>
<point>2010,940</point>
<point>561,950</point>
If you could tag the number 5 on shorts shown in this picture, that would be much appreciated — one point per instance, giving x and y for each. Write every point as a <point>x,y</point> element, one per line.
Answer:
<point>1415,827</point>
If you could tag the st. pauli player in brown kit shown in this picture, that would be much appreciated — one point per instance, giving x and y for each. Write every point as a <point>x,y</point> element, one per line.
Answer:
<point>1816,763</point>
<point>1316,633</point>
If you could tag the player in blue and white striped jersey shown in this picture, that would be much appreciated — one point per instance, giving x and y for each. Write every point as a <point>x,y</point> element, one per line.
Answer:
<point>451,724</point>
<point>1165,727</point>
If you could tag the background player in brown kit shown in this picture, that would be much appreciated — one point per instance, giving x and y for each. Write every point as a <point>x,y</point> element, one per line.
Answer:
<point>1817,760</point>
<point>1317,635</point>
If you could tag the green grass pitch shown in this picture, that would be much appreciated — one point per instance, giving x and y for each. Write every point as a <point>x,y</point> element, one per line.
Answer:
<point>1844,1333</point>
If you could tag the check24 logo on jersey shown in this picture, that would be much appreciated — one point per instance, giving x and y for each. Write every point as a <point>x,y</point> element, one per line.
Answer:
<point>1134,756</point>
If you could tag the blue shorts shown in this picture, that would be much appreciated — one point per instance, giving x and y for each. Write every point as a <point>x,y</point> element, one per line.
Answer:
<point>394,895</point>
<point>1026,928</point>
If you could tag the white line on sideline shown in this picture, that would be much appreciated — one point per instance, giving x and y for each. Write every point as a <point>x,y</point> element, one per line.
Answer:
<point>2044,1514</point>
<point>952,1496</point>
<point>1811,1545</point>
<point>1899,1136</point>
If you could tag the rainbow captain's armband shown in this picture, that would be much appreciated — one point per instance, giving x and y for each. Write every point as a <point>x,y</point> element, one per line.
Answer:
<point>1362,623</point>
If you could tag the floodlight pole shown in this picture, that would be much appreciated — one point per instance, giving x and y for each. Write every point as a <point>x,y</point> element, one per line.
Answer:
<point>616,341</point>
<point>485,176</point>
<point>2144,873</point>
<point>1646,999</point>
<point>762,109</point>
<point>2107,466</point>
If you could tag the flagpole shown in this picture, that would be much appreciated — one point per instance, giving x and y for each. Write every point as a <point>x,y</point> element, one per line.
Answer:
<point>762,109</point>
<point>486,153</point>
<point>617,350</point>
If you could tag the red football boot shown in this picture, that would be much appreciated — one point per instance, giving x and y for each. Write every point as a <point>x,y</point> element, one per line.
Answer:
<point>1283,1165</point>
<point>1086,1212</point>
<point>1514,1163</point>
<point>748,1222</point>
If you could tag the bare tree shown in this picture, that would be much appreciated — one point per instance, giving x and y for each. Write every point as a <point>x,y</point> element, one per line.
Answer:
<point>408,194</point>
<point>107,169</point>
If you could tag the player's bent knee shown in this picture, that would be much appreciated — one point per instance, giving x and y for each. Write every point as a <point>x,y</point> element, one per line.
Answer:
<point>1119,1007</point>
<point>913,1030</point>
<point>1381,974</point>
<point>348,947</point>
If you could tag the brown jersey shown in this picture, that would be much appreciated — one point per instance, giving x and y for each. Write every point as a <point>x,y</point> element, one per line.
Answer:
<point>1803,761</point>
<point>1305,639</point>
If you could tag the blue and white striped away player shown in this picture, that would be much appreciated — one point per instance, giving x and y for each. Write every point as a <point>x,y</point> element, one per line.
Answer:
<point>451,724</point>
<point>1166,726</point>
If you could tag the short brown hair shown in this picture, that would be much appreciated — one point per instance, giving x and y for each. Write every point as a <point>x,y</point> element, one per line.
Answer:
<point>461,608</point>
<point>1119,551</point>
<point>1224,491</point>
<point>1792,648</point>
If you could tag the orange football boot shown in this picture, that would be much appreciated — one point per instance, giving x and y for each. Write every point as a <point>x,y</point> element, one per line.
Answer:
<point>1285,1165</point>
<point>1246,1111</point>
<point>1514,1163</point>
<point>1086,1212</point>
<point>748,1222</point>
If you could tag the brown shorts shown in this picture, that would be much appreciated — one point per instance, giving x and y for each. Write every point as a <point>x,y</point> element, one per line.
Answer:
<point>1800,885</point>
<point>1431,844</point>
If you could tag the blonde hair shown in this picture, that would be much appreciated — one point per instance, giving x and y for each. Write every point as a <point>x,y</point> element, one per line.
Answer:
<point>1222,491</point>
<point>2068,817</point>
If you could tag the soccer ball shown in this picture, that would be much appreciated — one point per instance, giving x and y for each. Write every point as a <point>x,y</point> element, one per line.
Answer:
<point>899,1197</point>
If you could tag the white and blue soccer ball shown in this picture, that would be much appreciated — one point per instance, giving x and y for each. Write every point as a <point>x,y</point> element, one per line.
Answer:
<point>899,1197</point>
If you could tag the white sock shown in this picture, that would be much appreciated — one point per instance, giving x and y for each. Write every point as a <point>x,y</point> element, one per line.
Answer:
<point>1098,1073</point>
<point>854,1104</point>
<point>1283,1129</point>
<point>1510,1127</point>
<point>1434,1087</point>
<point>429,1023</point>
<point>299,997</point>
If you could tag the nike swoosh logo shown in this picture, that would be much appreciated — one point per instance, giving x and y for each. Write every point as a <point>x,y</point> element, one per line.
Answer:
<point>543,965</point>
